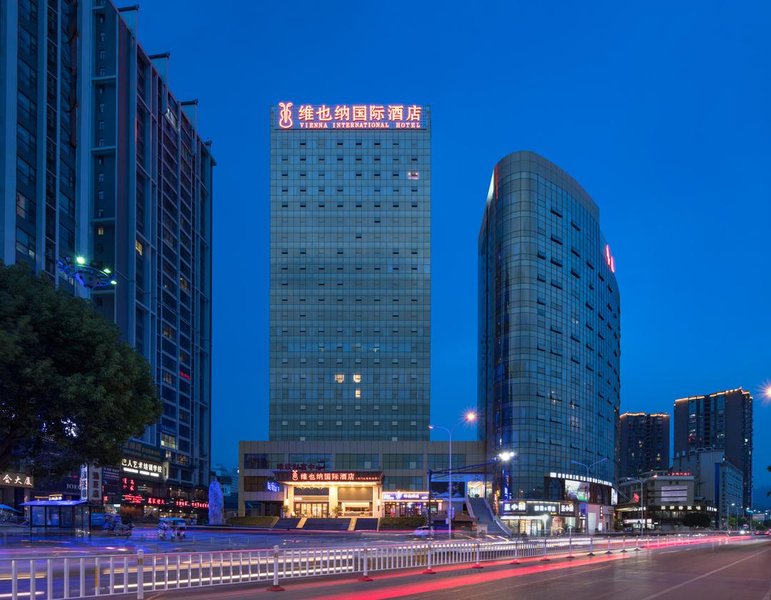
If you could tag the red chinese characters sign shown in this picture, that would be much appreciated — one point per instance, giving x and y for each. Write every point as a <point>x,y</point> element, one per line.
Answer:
<point>289,115</point>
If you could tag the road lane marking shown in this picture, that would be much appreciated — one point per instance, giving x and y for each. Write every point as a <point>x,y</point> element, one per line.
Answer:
<point>723,568</point>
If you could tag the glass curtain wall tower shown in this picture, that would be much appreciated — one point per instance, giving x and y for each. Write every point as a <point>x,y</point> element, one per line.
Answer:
<point>350,275</point>
<point>548,332</point>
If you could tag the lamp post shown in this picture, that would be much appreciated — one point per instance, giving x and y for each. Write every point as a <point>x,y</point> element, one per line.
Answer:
<point>729,517</point>
<point>469,417</point>
<point>644,523</point>
<point>589,467</point>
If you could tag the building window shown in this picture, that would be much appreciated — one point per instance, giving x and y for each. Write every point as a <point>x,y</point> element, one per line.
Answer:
<point>357,377</point>
<point>168,441</point>
<point>340,378</point>
<point>139,247</point>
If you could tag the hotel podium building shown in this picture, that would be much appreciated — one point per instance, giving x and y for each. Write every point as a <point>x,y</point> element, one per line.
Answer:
<point>549,348</point>
<point>100,160</point>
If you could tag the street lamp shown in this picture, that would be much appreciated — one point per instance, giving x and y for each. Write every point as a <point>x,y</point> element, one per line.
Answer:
<point>644,524</point>
<point>589,467</point>
<point>469,417</point>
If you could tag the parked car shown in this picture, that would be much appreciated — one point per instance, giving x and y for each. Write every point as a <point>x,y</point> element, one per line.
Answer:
<point>424,532</point>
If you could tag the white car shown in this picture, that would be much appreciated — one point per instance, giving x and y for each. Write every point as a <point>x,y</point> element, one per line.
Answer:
<point>423,532</point>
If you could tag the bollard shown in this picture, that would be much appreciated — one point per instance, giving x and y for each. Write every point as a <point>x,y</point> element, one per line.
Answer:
<point>365,576</point>
<point>609,551</point>
<point>140,574</point>
<point>428,570</point>
<point>516,554</point>
<point>545,557</point>
<point>477,565</point>
<point>623,545</point>
<point>570,545</point>
<point>275,587</point>
<point>591,546</point>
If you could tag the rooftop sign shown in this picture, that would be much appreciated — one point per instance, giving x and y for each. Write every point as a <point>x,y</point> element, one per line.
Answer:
<point>289,115</point>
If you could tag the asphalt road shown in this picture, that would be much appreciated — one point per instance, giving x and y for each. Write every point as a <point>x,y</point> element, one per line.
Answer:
<point>735,571</point>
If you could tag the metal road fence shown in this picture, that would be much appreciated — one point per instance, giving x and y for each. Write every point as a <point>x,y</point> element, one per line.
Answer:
<point>59,578</point>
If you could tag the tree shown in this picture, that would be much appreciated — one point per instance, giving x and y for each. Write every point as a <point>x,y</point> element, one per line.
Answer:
<point>696,520</point>
<point>71,391</point>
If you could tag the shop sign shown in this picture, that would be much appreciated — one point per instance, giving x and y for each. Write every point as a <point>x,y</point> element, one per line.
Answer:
<point>536,508</point>
<point>405,496</point>
<point>84,482</point>
<point>331,476</point>
<point>16,479</point>
<point>95,485</point>
<point>174,503</point>
<point>142,467</point>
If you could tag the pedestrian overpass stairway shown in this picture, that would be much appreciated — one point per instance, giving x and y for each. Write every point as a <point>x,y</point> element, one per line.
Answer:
<point>480,510</point>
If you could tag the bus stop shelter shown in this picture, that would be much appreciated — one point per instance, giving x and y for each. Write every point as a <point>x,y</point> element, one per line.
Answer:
<point>57,514</point>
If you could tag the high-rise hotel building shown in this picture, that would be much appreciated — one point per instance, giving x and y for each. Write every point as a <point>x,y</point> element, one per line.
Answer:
<point>99,159</point>
<point>549,344</point>
<point>350,271</point>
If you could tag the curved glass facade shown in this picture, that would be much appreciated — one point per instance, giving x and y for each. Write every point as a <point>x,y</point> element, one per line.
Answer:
<point>549,334</point>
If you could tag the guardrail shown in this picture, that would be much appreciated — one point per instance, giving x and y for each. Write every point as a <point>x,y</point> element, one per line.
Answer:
<point>59,578</point>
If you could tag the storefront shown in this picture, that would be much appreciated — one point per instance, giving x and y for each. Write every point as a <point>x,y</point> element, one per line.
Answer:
<point>145,495</point>
<point>323,494</point>
<point>538,517</point>
<point>406,504</point>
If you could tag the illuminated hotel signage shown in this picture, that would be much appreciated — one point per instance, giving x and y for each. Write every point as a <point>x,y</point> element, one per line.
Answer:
<point>536,507</point>
<point>349,116</point>
<point>295,476</point>
<point>609,259</point>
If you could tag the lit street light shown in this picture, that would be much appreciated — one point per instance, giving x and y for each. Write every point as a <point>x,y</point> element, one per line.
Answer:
<point>469,417</point>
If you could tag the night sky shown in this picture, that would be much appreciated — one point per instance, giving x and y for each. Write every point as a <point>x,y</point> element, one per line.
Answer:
<point>660,110</point>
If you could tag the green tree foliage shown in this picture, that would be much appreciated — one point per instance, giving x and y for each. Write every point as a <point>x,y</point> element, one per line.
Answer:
<point>70,390</point>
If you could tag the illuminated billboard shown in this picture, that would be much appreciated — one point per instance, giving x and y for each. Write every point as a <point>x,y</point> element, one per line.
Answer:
<point>577,490</point>
<point>290,115</point>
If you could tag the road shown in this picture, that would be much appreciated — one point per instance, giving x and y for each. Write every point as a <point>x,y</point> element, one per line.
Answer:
<point>736,571</point>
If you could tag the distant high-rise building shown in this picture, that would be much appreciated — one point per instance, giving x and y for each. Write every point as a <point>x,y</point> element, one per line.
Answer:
<point>644,443</point>
<point>99,160</point>
<point>549,341</point>
<point>350,272</point>
<point>719,421</point>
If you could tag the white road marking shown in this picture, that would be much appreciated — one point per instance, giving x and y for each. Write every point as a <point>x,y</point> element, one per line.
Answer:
<point>684,583</point>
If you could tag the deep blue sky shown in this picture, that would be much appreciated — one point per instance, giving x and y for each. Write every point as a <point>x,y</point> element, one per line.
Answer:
<point>660,110</point>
